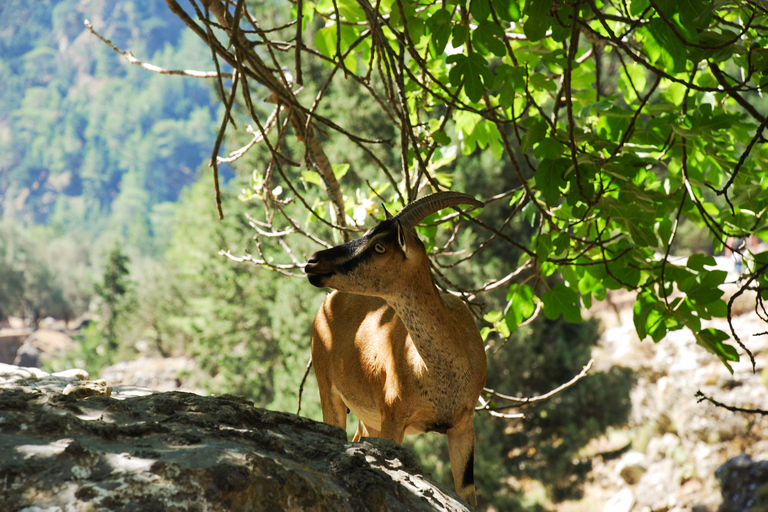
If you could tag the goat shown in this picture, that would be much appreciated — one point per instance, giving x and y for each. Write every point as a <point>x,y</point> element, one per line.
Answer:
<point>387,346</point>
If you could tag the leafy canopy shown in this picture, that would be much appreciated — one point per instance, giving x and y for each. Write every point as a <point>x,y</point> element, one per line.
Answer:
<point>617,124</point>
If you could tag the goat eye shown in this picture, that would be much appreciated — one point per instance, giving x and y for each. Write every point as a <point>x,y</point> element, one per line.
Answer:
<point>379,248</point>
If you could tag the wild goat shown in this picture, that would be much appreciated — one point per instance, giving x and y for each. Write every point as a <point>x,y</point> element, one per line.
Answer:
<point>386,345</point>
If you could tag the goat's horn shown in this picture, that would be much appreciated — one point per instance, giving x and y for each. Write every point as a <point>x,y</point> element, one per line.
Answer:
<point>427,205</point>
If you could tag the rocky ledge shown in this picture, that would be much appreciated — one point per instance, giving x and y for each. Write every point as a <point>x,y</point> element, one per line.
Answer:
<point>69,443</point>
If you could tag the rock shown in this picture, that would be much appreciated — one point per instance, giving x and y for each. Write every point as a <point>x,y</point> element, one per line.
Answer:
<point>156,373</point>
<point>52,342</point>
<point>744,484</point>
<point>25,347</point>
<point>622,501</point>
<point>28,355</point>
<point>631,467</point>
<point>179,451</point>
<point>658,486</point>
<point>10,341</point>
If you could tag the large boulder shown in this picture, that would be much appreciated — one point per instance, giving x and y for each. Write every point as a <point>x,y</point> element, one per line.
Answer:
<point>72,444</point>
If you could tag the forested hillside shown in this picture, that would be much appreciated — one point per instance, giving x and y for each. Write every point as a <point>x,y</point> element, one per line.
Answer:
<point>87,141</point>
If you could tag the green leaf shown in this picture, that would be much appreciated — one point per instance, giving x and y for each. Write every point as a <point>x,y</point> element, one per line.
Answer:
<point>670,50</point>
<point>696,13</point>
<point>549,179</point>
<point>473,70</point>
<point>507,10</point>
<point>712,340</point>
<point>543,244</point>
<point>561,23</point>
<point>648,316</point>
<point>493,316</point>
<point>561,300</point>
<point>538,21</point>
<point>350,11</point>
<point>480,10</point>
<point>487,38</point>
<point>312,177</point>
<point>536,129</point>
<point>704,287</point>
<point>549,148</point>
<point>439,27</point>
<point>441,138</point>
<point>698,261</point>
<point>522,297</point>
<point>339,170</point>
<point>539,81</point>
<point>520,306</point>
<point>325,41</point>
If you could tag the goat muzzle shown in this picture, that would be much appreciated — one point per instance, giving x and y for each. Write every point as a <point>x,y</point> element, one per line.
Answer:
<point>315,273</point>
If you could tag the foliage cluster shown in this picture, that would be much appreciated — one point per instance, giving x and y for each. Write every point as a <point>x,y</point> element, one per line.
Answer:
<point>618,121</point>
<point>83,136</point>
<point>27,287</point>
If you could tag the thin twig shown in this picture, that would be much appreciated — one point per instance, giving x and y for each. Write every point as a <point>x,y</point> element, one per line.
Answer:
<point>303,381</point>
<point>534,399</point>
<point>151,67</point>
<point>701,397</point>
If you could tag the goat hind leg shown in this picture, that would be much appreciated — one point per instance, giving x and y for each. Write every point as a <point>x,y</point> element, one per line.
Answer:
<point>364,430</point>
<point>461,449</point>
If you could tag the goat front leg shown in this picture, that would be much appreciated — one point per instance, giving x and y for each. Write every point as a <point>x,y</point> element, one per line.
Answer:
<point>461,450</point>
<point>334,408</point>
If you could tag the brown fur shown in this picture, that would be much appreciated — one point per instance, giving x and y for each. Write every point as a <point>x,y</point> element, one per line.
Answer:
<point>398,354</point>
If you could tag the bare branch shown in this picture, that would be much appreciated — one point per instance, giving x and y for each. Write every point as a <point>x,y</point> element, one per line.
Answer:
<point>701,397</point>
<point>519,402</point>
<point>151,67</point>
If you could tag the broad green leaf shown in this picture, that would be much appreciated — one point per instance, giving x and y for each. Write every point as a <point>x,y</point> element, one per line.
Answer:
<point>699,261</point>
<point>561,300</point>
<point>473,70</point>
<point>670,49</point>
<point>480,10</point>
<point>543,244</point>
<point>325,41</point>
<point>636,7</point>
<point>549,179</point>
<point>487,38</point>
<point>549,148</point>
<point>538,19</point>
<point>704,287</point>
<point>507,10</point>
<point>350,11</point>
<point>441,138</point>
<point>439,27</point>
<point>312,177</point>
<point>561,22</point>
<point>712,340</point>
<point>536,129</point>
<point>647,315</point>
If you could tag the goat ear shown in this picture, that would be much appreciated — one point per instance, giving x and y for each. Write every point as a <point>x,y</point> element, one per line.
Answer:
<point>386,212</point>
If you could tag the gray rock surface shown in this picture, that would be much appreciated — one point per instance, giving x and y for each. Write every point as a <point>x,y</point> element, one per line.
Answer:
<point>72,444</point>
<point>744,485</point>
